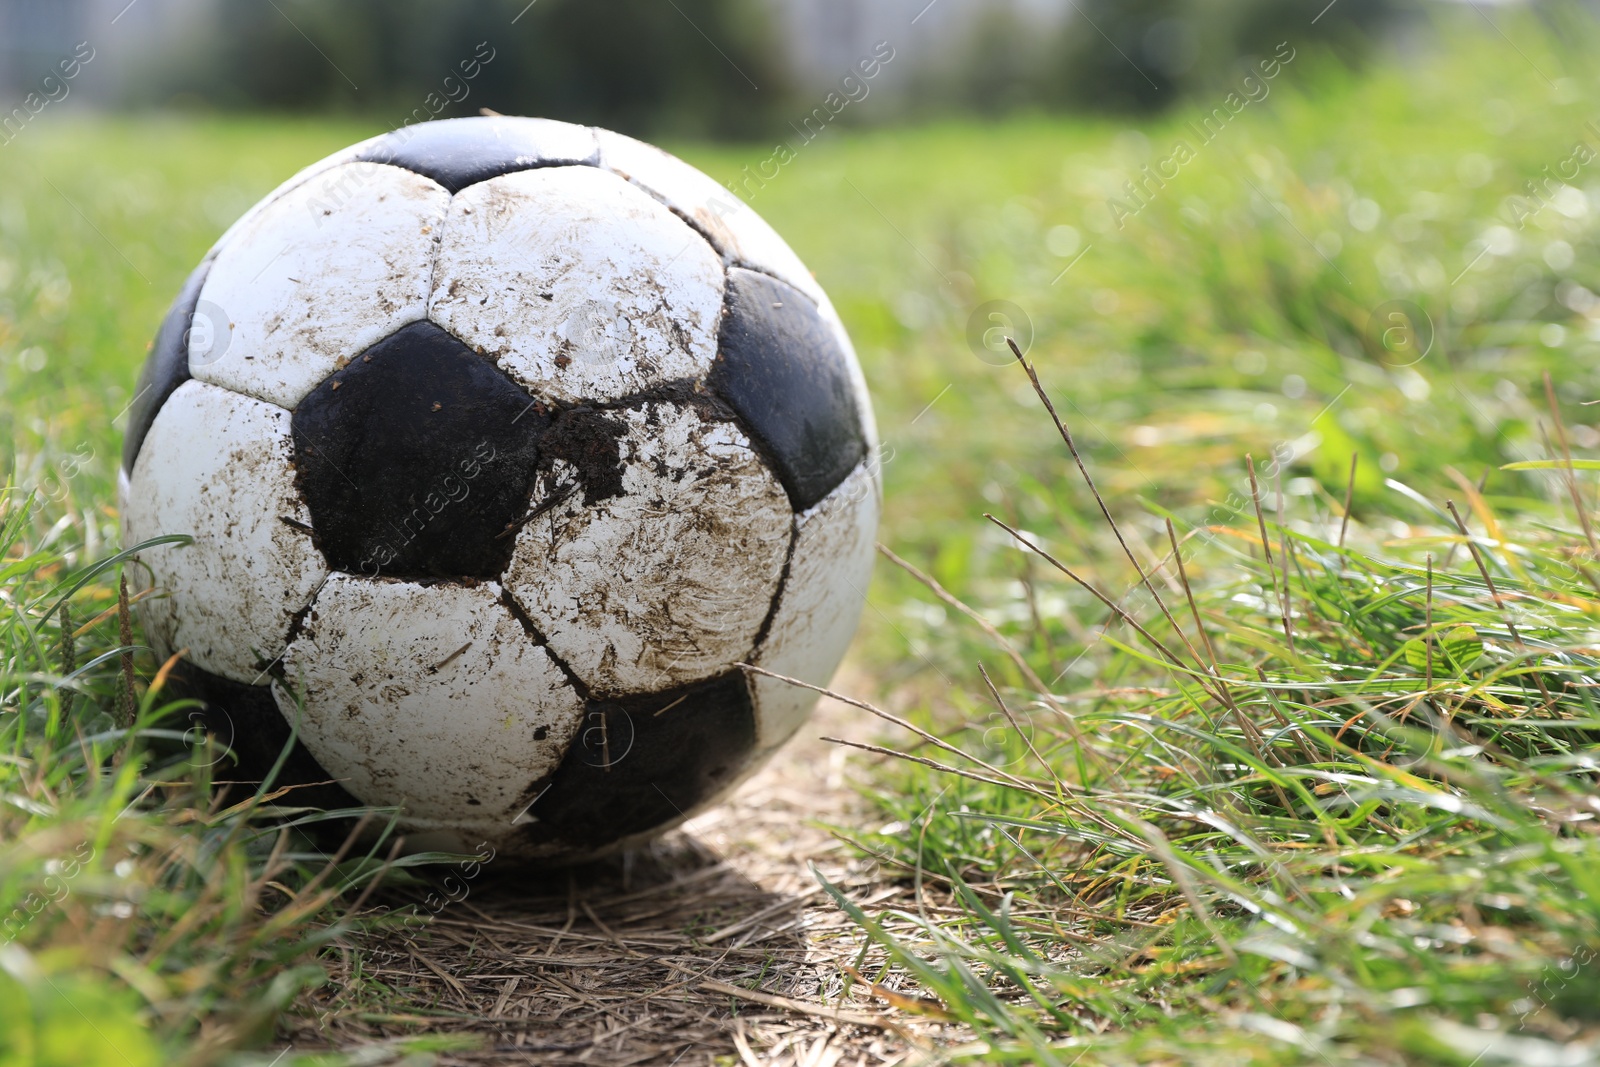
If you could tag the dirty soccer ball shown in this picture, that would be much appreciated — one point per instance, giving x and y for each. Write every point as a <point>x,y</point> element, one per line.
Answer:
<point>502,442</point>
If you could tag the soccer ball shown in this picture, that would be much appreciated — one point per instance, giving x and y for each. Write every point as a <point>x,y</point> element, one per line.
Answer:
<point>502,443</point>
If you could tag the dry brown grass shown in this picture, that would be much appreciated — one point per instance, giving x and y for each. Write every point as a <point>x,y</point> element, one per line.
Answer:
<point>715,945</point>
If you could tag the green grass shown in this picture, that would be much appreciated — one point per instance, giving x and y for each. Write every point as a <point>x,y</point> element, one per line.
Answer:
<point>1372,846</point>
<point>1373,842</point>
<point>1368,838</point>
<point>141,921</point>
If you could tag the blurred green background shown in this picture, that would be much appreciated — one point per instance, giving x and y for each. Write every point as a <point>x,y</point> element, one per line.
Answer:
<point>676,68</point>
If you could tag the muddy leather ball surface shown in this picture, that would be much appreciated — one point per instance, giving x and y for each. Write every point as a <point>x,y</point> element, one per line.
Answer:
<point>501,443</point>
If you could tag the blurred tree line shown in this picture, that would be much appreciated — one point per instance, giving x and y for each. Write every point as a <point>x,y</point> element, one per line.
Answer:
<point>712,68</point>
<point>1146,55</point>
<point>644,66</point>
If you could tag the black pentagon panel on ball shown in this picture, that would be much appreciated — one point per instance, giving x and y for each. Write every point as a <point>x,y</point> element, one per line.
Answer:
<point>782,368</point>
<point>457,153</point>
<point>166,367</point>
<point>641,761</point>
<point>245,720</point>
<point>417,459</point>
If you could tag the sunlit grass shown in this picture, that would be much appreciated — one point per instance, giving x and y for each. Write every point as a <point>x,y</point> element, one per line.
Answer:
<point>1327,792</point>
<point>1354,842</point>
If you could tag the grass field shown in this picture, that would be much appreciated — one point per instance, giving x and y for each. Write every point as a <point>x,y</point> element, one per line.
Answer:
<point>1325,795</point>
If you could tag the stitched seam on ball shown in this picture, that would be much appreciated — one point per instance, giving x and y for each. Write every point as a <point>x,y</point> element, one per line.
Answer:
<point>777,597</point>
<point>541,641</point>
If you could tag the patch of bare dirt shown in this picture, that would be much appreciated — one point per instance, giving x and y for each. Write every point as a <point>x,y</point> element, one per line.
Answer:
<point>715,945</point>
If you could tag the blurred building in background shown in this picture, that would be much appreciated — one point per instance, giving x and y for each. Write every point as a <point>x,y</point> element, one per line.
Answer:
<point>35,34</point>
<point>707,68</point>
<point>823,39</point>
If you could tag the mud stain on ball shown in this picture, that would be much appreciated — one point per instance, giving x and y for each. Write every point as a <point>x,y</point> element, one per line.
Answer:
<point>426,694</point>
<point>217,466</point>
<point>667,582</point>
<point>582,288</point>
<point>590,441</point>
